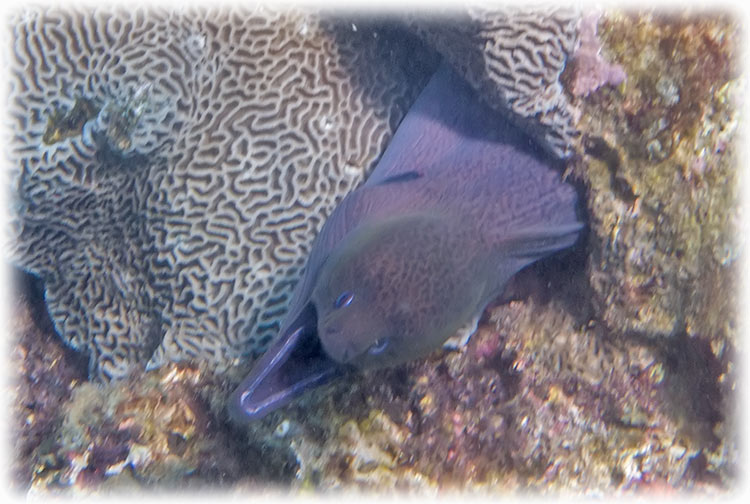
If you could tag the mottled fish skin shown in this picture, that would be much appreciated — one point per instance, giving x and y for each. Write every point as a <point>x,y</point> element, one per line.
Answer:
<point>396,288</point>
<point>459,202</point>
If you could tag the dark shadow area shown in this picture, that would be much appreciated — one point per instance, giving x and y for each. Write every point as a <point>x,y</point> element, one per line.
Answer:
<point>43,371</point>
<point>691,385</point>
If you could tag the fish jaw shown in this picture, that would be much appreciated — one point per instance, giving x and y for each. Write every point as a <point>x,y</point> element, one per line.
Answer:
<point>294,364</point>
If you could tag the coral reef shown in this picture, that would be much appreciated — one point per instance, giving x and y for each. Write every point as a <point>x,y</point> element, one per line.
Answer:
<point>155,430</point>
<point>609,370</point>
<point>661,173</point>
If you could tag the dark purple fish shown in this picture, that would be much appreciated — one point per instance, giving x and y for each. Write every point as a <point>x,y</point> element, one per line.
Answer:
<point>457,205</point>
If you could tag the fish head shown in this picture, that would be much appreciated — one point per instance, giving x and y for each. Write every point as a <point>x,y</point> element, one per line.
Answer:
<point>352,328</point>
<point>377,295</point>
<point>365,301</point>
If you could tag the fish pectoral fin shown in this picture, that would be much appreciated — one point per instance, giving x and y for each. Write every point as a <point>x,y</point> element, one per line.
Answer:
<point>535,243</point>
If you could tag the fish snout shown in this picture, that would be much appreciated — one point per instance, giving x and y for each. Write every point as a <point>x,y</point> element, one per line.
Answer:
<point>336,347</point>
<point>345,353</point>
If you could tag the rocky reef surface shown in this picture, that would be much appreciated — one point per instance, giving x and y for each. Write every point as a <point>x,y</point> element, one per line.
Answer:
<point>611,370</point>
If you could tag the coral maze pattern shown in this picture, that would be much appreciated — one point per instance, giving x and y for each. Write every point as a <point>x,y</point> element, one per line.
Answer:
<point>514,58</point>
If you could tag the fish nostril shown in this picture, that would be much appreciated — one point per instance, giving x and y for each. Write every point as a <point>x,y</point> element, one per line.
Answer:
<point>332,330</point>
<point>348,353</point>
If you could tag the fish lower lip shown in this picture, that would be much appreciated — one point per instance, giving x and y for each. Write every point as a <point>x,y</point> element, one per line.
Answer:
<point>293,364</point>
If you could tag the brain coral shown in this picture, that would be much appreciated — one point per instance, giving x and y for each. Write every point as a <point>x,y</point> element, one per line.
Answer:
<point>173,167</point>
<point>514,58</point>
<point>184,239</point>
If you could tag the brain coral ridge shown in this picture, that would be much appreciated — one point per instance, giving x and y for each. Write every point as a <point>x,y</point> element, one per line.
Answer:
<point>514,57</point>
<point>171,168</point>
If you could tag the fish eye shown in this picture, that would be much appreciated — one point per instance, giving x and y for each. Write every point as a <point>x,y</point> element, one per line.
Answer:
<point>378,346</point>
<point>345,299</point>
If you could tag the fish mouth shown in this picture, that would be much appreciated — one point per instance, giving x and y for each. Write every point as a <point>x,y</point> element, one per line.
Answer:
<point>295,363</point>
